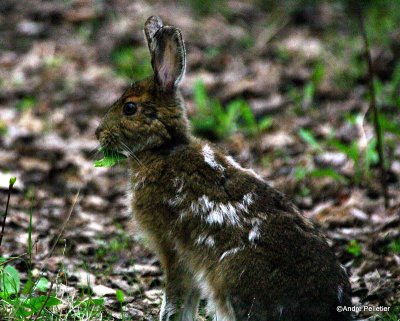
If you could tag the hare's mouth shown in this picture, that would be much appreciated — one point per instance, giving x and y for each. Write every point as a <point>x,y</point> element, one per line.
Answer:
<point>110,158</point>
<point>114,153</point>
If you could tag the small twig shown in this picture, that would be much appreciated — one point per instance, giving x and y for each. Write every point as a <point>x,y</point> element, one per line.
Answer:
<point>13,259</point>
<point>372,105</point>
<point>10,187</point>
<point>65,224</point>
<point>45,301</point>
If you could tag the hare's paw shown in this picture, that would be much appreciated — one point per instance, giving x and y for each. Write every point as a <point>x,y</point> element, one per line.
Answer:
<point>183,309</point>
<point>168,310</point>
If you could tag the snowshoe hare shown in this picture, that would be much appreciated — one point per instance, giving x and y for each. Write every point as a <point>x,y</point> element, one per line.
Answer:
<point>220,231</point>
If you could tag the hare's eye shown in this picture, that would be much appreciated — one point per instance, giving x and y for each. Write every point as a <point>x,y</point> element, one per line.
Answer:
<point>129,109</point>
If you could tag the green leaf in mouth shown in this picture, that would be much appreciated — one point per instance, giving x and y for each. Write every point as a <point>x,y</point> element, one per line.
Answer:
<point>110,159</point>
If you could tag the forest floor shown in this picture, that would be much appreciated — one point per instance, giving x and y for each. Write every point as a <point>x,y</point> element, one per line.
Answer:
<point>310,134</point>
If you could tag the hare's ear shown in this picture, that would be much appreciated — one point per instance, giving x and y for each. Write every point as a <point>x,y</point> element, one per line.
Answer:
<point>152,25</point>
<point>167,50</point>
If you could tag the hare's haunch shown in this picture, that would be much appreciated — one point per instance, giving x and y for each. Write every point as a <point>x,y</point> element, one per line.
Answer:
<point>220,231</point>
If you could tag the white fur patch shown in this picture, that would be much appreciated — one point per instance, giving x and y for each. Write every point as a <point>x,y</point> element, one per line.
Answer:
<point>254,233</point>
<point>225,313</point>
<point>213,307</point>
<point>215,212</point>
<point>280,310</point>
<point>205,240</point>
<point>179,196</point>
<point>178,183</point>
<point>236,165</point>
<point>203,285</point>
<point>166,307</point>
<point>209,158</point>
<point>221,213</point>
<point>177,200</point>
<point>136,182</point>
<point>248,199</point>
<point>230,252</point>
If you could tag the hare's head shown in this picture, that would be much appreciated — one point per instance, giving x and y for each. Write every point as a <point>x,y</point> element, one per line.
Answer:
<point>150,114</point>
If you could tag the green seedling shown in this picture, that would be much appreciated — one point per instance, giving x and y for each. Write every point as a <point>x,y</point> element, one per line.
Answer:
<point>206,7</point>
<point>131,63</point>
<point>394,246</point>
<point>354,248</point>
<point>362,158</point>
<point>35,299</point>
<point>301,173</point>
<point>310,88</point>
<point>381,18</point>
<point>23,305</point>
<point>110,249</point>
<point>27,103</point>
<point>10,282</point>
<point>389,126</point>
<point>215,121</point>
<point>308,137</point>
<point>12,181</point>
<point>3,128</point>
<point>392,315</point>
<point>121,299</point>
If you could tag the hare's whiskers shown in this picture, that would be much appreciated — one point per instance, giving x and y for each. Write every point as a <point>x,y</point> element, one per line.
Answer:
<point>131,153</point>
<point>94,152</point>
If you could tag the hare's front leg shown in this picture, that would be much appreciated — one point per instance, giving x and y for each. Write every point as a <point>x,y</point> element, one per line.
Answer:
<point>181,297</point>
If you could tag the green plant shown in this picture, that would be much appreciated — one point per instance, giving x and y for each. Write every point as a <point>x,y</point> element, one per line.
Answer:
<point>35,299</point>
<point>390,126</point>
<point>308,137</point>
<point>303,98</point>
<point>110,159</point>
<point>109,250</point>
<point>283,55</point>
<point>354,248</point>
<point>3,128</point>
<point>387,93</point>
<point>381,17</point>
<point>246,42</point>
<point>131,63</point>
<point>86,29</point>
<point>86,308</point>
<point>363,158</point>
<point>214,121</point>
<point>206,7</point>
<point>394,246</point>
<point>212,52</point>
<point>121,299</point>
<point>27,103</point>
<point>28,302</point>
<point>392,315</point>
<point>301,173</point>
<point>25,303</point>
<point>312,85</point>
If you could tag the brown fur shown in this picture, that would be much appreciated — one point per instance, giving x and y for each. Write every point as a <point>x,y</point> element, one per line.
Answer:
<point>218,229</point>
